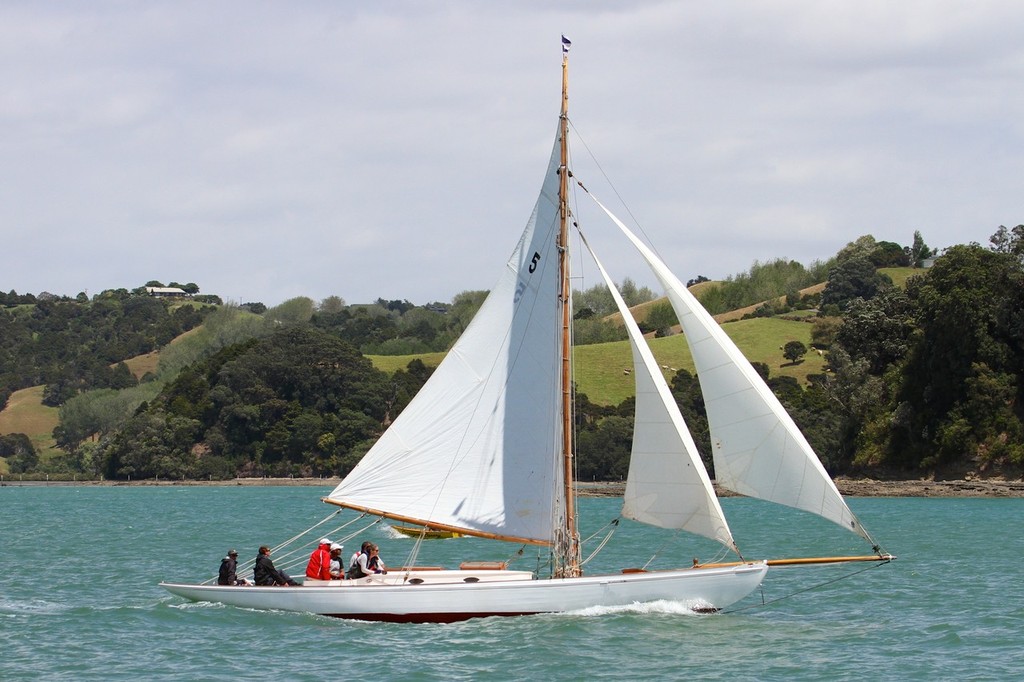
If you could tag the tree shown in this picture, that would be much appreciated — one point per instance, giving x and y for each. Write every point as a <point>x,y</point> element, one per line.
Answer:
<point>889,254</point>
<point>20,453</point>
<point>331,304</point>
<point>254,307</point>
<point>824,330</point>
<point>604,450</point>
<point>794,351</point>
<point>852,278</point>
<point>919,250</point>
<point>634,295</point>
<point>970,344</point>
<point>1009,241</point>
<point>661,317</point>
<point>879,330</point>
<point>862,247</point>
<point>296,310</point>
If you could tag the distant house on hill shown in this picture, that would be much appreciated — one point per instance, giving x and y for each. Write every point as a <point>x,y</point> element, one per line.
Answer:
<point>167,292</point>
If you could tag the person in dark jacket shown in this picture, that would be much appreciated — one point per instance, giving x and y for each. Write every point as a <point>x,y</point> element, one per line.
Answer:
<point>264,572</point>
<point>228,568</point>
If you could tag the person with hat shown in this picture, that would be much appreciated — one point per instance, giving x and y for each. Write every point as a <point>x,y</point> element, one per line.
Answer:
<point>337,572</point>
<point>319,566</point>
<point>228,567</point>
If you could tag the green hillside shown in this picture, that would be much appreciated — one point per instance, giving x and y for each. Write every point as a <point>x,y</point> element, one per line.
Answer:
<point>25,413</point>
<point>602,369</point>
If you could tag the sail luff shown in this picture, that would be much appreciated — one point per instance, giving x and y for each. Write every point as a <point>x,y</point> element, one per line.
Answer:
<point>757,448</point>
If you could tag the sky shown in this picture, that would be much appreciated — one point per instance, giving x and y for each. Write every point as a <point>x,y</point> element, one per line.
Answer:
<point>394,149</point>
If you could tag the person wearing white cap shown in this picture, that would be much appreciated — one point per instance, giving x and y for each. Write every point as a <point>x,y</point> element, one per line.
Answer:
<point>336,570</point>
<point>319,566</point>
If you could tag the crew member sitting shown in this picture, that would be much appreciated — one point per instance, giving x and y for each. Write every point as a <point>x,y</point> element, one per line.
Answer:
<point>319,566</point>
<point>228,567</point>
<point>336,566</point>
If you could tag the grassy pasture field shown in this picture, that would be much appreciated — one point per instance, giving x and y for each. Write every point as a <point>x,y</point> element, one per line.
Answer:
<point>25,413</point>
<point>600,369</point>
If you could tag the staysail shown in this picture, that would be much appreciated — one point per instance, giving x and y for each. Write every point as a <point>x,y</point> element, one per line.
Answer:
<point>667,485</point>
<point>476,448</point>
<point>757,448</point>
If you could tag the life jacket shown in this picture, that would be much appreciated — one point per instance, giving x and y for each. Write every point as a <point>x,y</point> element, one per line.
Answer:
<point>354,569</point>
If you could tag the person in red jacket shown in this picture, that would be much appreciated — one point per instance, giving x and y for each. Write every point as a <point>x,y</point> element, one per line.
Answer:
<point>319,566</point>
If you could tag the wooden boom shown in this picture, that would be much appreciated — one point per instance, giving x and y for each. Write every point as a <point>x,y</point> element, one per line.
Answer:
<point>805,561</point>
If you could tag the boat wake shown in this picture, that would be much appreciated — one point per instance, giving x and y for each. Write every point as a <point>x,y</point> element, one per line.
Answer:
<point>393,534</point>
<point>31,607</point>
<point>660,606</point>
<point>188,606</point>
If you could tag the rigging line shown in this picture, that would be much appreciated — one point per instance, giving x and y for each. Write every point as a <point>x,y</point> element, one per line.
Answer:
<point>304,546</point>
<point>806,589</point>
<point>296,537</point>
<point>600,545</point>
<point>361,530</point>
<point>414,553</point>
<point>659,550</point>
<point>297,561</point>
<point>615,190</point>
<point>613,523</point>
<point>515,555</point>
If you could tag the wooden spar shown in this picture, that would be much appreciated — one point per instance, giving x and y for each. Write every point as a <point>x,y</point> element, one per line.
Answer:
<point>571,567</point>
<point>435,526</point>
<point>805,561</point>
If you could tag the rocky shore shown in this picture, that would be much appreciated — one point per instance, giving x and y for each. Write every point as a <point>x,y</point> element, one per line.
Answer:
<point>868,487</point>
<point>853,487</point>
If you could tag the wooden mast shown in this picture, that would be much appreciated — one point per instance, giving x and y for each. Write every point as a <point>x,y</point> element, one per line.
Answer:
<point>571,566</point>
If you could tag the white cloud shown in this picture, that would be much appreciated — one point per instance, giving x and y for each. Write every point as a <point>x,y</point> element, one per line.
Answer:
<point>394,149</point>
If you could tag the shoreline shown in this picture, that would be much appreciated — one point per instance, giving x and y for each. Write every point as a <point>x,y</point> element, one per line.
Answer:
<point>850,487</point>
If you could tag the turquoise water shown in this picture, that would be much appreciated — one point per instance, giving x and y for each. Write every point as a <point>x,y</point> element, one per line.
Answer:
<point>79,599</point>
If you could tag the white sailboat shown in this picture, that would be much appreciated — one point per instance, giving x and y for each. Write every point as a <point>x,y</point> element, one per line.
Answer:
<point>486,449</point>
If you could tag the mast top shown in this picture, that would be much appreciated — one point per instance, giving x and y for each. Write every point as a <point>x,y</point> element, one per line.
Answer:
<point>566,44</point>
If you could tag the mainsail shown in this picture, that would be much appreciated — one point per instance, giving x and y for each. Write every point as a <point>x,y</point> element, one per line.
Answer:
<point>757,448</point>
<point>667,485</point>
<point>474,449</point>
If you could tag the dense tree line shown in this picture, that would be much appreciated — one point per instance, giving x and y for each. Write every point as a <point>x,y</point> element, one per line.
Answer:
<point>73,345</point>
<point>952,383</point>
<point>299,401</point>
<point>924,380</point>
<point>763,282</point>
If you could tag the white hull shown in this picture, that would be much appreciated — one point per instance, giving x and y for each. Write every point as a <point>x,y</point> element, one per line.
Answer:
<point>498,593</point>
